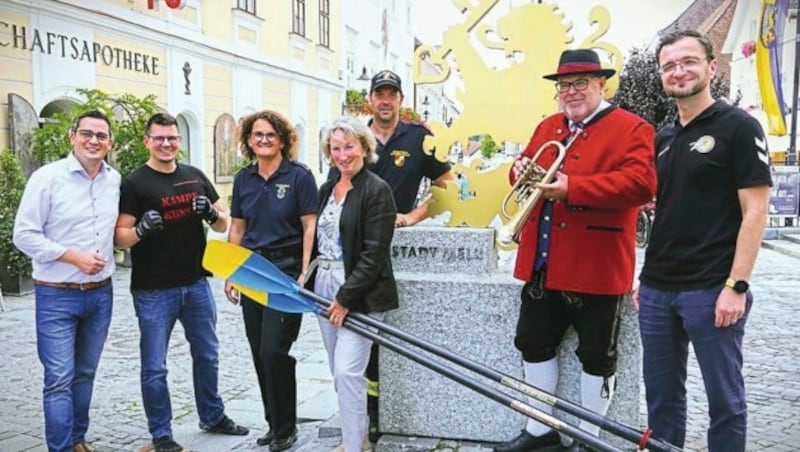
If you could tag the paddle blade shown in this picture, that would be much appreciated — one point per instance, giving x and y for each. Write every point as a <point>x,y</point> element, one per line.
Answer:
<point>255,295</point>
<point>276,301</point>
<point>256,277</point>
<point>225,259</point>
<point>289,303</point>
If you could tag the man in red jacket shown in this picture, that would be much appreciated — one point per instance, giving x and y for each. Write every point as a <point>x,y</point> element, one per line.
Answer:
<point>576,251</point>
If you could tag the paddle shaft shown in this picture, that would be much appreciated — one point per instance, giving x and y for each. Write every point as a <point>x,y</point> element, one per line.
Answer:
<point>579,411</point>
<point>494,394</point>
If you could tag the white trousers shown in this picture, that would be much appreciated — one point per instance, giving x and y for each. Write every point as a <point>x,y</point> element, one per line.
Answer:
<point>348,355</point>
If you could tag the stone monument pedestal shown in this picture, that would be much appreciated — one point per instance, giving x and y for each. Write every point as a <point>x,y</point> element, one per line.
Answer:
<point>452,294</point>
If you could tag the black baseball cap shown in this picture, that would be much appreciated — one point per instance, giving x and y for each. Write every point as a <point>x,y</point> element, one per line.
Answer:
<point>386,78</point>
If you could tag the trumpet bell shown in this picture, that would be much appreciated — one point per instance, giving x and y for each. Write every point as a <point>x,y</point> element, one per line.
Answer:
<point>525,193</point>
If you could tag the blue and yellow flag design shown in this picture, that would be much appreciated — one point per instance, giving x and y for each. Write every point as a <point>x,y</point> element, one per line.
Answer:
<point>769,55</point>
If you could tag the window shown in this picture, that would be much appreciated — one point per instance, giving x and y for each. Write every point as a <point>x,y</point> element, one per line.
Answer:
<point>299,17</point>
<point>247,5</point>
<point>324,23</point>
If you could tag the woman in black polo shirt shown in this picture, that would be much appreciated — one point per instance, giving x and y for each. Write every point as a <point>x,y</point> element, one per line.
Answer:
<point>273,213</point>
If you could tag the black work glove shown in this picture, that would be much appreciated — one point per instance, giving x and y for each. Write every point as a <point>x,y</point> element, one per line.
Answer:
<point>202,206</point>
<point>150,223</point>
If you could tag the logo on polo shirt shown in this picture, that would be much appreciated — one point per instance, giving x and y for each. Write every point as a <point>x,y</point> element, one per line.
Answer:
<point>704,144</point>
<point>281,190</point>
<point>399,157</point>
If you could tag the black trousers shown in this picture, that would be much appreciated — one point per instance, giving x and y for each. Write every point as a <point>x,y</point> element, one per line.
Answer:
<point>372,384</point>
<point>271,335</point>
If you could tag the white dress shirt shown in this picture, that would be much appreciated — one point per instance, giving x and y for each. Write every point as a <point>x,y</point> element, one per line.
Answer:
<point>64,208</point>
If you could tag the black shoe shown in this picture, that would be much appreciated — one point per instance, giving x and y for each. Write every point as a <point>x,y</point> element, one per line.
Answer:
<point>166,444</point>
<point>578,447</point>
<point>225,427</point>
<point>284,443</point>
<point>525,442</point>
<point>266,439</point>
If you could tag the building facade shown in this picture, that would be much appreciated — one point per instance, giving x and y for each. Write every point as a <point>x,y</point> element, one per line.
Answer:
<point>377,35</point>
<point>208,62</point>
<point>743,33</point>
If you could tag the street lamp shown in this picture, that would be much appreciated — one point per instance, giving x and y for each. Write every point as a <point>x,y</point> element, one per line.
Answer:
<point>425,115</point>
<point>363,75</point>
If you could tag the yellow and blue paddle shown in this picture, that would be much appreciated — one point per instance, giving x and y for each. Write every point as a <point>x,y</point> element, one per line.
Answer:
<point>254,276</point>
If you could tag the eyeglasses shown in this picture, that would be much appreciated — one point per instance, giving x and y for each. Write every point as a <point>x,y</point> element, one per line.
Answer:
<point>87,135</point>
<point>259,136</point>
<point>686,64</point>
<point>580,85</point>
<point>171,139</point>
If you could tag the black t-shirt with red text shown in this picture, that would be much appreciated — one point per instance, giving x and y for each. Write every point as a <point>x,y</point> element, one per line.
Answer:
<point>172,257</point>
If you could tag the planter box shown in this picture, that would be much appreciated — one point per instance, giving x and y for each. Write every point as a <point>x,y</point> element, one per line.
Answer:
<point>16,284</point>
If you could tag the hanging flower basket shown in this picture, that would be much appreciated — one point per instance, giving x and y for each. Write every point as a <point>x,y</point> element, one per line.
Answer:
<point>748,48</point>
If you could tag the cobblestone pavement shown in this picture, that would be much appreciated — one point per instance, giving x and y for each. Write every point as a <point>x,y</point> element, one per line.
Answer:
<point>772,363</point>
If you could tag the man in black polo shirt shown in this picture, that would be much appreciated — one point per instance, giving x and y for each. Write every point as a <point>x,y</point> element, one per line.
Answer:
<point>713,192</point>
<point>402,162</point>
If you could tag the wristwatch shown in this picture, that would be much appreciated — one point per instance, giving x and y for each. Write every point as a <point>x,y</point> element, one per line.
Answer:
<point>738,285</point>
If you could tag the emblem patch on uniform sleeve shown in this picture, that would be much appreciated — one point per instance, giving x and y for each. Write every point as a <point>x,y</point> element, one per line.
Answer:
<point>399,157</point>
<point>703,144</point>
<point>281,190</point>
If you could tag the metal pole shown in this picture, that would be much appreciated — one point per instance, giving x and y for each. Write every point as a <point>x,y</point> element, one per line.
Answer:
<point>795,94</point>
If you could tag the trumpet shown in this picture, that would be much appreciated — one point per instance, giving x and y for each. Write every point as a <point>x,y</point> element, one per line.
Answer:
<point>525,193</point>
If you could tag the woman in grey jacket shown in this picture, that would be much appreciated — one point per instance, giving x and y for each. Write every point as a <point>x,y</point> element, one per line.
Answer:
<point>355,226</point>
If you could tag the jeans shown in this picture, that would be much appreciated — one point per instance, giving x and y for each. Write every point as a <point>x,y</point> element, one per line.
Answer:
<point>157,311</point>
<point>668,321</point>
<point>71,328</point>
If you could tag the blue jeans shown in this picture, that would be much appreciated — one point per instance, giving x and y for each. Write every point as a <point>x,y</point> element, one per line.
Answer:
<point>668,321</point>
<point>71,328</point>
<point>157,311</point>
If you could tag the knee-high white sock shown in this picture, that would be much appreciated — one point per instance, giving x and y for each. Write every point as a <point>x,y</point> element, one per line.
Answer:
<point>596,394</point>
<point>543,375</point>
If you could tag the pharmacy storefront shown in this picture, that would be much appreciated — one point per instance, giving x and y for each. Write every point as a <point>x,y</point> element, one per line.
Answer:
<point>51,49</point>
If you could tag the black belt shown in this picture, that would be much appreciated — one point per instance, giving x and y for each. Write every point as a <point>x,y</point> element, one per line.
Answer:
<point>77,286</point>
<point>280,253</point>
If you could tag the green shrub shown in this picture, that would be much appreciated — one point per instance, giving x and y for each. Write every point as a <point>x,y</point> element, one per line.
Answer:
<point>640,89</point>
<point>12,184</point>
<point>128,115</point>
<point>488,146</point>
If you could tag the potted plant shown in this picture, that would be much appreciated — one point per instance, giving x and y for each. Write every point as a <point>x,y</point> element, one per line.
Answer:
<point>15,267</point>
<point>354,102</point>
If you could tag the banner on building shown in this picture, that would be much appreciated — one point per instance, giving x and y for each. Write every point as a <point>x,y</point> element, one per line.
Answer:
<point>769,55</point>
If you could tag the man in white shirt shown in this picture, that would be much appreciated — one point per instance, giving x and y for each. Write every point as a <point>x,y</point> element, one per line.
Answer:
<point>65,223</point>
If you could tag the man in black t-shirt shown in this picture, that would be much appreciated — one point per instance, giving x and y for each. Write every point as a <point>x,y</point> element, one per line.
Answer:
<point>162,207</point>
<point>713,192</point>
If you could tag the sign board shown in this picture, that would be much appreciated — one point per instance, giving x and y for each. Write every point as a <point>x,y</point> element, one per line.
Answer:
<point>785,191</point>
